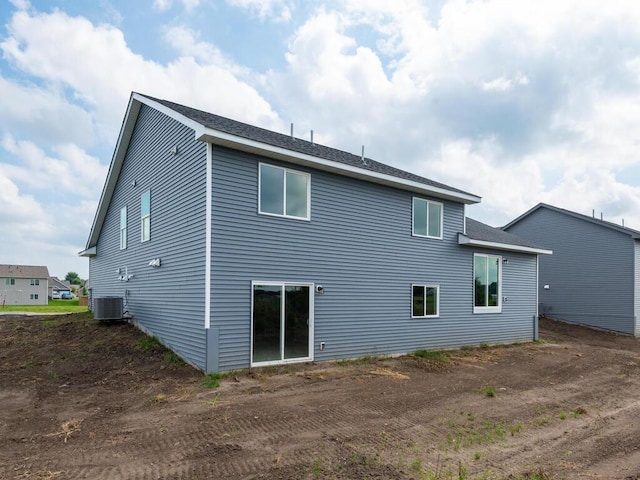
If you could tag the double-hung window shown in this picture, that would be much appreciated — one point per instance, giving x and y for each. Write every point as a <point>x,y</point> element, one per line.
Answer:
<point>9,281</point>
<point>33,296</point>
<point>35,281</point>
<point>427,218</point>
<point>425,301</point>
<point>283,192</point>
<point>123,228</point>
<point>487,290</point>
<point>145,216</point>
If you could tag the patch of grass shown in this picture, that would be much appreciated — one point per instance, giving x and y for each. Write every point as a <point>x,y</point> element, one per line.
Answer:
<point>488,391</point>
<point>476,456</point>
<point>517,428</point>
<point>484,345</point>
<point>53,306</point>
<point>149,342</point>
<point>416,465</point>
<point>366,360</point>
<point>50,323</point>
<point>159,398</point>
<point>542,421</point>
<point>437,355</point>
<point>541,341</point>
<point>575,413</point>
<point>212,380</point>
<point>172,359</point>
<point>485,432</point>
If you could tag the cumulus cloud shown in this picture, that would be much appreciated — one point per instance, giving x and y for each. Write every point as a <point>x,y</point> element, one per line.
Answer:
<point>96,63</point>
<point>164,5</point>
<point>277,10</point>
<point>499,98</point>
<point>43,114</point>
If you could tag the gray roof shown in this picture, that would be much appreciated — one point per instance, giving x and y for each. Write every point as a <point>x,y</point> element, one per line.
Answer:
<point>218,130</point>
<point>603,223</point>
<point>23,271</point>
<point>251,132</point>
<point>480,231</point>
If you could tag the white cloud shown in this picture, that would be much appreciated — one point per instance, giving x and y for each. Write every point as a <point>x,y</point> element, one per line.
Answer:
<point>73,171</point>
<point>277,10</point>
<point>97,64</point>
<point>43,113</point>
<point>164,5</point>
<point>502,84</point>
<point>21,4</point>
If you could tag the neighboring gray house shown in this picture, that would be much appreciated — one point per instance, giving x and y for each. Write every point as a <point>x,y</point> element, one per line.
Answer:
<point>57,285</point>
<point>593,277</point>
<point>23,285</point>
<point>237,246</point>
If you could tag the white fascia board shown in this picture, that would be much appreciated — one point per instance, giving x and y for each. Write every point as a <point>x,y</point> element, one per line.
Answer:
<point>224,139</point>
<point>89,252</point>
<point>126,131</point>
<point>128,124</point>
<point>169,112</point>
<point>464,240</point>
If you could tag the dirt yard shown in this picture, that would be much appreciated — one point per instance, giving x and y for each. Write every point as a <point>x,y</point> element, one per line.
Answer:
<point>80,399</point>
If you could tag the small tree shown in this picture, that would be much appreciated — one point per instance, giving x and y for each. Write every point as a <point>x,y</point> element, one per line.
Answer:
<point>73,278</point>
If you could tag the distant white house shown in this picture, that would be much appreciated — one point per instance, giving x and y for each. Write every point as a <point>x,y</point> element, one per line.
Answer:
<point>23,285</point>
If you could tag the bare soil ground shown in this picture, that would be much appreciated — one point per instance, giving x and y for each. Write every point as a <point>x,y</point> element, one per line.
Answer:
<point>81,399</point>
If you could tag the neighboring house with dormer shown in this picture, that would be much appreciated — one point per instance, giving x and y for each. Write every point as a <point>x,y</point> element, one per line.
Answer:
<point>238,246</point>
<point>23,285</point>
<point>593,277</point>
<point>57,285</point>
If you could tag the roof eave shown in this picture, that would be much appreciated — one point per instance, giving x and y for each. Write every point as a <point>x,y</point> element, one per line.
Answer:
<point>471,242</point>
<point>217,137</point>
<point>89,252</point>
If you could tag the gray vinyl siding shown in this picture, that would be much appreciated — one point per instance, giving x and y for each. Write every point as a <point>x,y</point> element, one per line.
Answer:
<point>167,302</point>
<point>358,246</point>
<point>636,295</point>
<point>590,274</point>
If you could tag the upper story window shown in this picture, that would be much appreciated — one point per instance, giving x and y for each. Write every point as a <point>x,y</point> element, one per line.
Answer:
<point>425,301</point>
<point>35,281</point>
<point>427,218</point>
<point>487,291</point>
<point>123,228</point>
<point>9,281</point>
<point>145,216</point>
<point>283,192</point>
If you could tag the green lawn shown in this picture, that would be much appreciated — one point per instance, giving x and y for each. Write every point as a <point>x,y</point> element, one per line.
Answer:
<point>55,306</point>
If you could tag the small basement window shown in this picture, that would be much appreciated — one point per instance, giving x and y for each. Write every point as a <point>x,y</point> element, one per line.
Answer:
<point>425,301</point>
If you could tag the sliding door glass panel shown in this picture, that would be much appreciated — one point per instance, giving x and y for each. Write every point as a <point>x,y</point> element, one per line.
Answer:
<point>267,314</point>
<point>296,333</point>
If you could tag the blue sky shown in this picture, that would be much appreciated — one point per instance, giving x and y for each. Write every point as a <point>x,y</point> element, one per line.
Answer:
<point>519,102</point>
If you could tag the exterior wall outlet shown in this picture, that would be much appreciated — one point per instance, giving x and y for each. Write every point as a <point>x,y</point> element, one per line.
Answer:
<point>321,346</point>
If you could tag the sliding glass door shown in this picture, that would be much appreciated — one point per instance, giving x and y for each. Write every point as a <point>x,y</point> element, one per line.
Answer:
<point>282,322</point>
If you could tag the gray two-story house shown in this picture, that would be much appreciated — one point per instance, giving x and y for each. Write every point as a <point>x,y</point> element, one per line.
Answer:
<point>238,246</point>
<point>23,285</point>
<point>593,277</point>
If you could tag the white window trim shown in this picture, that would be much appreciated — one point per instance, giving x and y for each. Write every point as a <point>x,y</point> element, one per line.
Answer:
<point>125,229</point>
<point>311,323</point>
<point>426,285</point>
<point>142,217</point>
<point>284,193</point>
<point>498,308</point>
<point>413,230</point>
